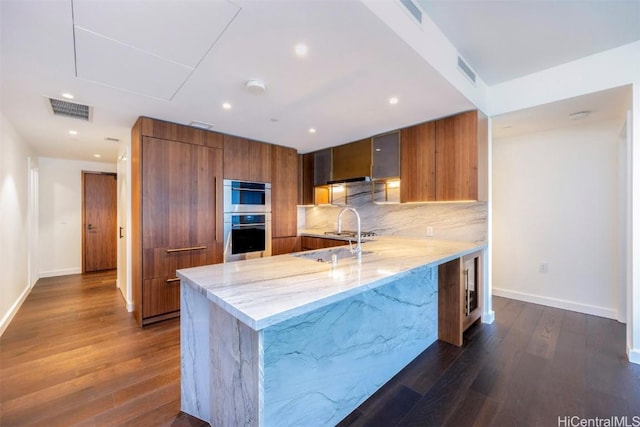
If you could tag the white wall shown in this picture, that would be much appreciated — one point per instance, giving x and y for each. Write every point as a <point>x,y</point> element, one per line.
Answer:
<point>124,221</point>
<point>555,201</point>
<point>60,242</point>
<point>633,245</point>
<point>14,221</point>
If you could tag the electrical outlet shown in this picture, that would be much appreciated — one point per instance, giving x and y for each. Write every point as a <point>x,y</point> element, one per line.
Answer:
<point>429,231</point>
<point>543,268</point>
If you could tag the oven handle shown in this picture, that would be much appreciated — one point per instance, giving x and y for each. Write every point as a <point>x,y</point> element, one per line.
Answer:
<point>257,190</point>
<point>238,226</point>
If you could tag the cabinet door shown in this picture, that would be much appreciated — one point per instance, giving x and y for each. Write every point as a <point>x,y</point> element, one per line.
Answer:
<point>352,160</point>
<point>322,167</point>
<point>284,192</point>
<point>305,179</point>
<point>246,160</point>
<point>386,156</point>
<point>285,245</point>
<point>457,157</point>
<point>418,163</point>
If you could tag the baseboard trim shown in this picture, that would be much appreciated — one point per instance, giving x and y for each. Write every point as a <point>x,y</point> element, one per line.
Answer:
<point>558,303</point>
<point>633,355</point>
<point>62,272</point>
<point>6,320</point>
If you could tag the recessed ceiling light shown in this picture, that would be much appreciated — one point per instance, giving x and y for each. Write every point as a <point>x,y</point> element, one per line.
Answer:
<point>301,49</point>
<point>67,95</point>
<point>73,132</point>
<point>393,100</point>
<point>378,149</point>
<point>312,130</point>
<point>226,105</point>
<point>97,156</point>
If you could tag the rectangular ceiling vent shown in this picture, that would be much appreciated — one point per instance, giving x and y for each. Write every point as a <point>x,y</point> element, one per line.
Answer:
<point>111,139</point>
<point>413,9</point>
<point>70,109</point>
<point>466,70</point>
<point>201,125</point>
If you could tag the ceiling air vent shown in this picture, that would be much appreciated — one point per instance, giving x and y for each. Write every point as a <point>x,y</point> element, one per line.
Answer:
<point>466,70</point>
<point>70,109</point>
<point>413,9</point>
<point>111,139</point>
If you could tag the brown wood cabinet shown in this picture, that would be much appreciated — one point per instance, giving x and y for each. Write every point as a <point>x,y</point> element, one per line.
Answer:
<point>439,160</point>
<point>457,157</point>
<point>459,296</point>
<point>352,160</point>
<point>285,245</point>
<point>305,179</point>
<point>284,192</point>
<point>246,159</point>
<point>176,212</point>
<point>309,243</point>
<point>418,163</point>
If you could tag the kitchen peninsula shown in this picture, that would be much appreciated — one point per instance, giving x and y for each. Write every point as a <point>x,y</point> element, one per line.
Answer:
<point>286,340</point>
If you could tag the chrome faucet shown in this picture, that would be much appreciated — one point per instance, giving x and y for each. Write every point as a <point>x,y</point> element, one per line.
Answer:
<point>358,249</point>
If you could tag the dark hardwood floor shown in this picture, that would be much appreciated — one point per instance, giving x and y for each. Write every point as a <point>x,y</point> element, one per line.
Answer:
<point>74,356</point>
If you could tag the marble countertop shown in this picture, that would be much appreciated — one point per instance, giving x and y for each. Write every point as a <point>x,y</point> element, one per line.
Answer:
<point>265,291</point>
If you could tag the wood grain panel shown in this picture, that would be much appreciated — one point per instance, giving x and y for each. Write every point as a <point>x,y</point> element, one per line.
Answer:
<point>285,245</point>
<point>284,192</point>
<point>236,157</point>
<point>311,243</point>
<point>449,303</point>
<point>457,157</point>
<point>418,163</point>
<point>305,179</point>
<point>181,133</point>
<point>352,160</point>
<point>259,166</point>
<point>160,296</point>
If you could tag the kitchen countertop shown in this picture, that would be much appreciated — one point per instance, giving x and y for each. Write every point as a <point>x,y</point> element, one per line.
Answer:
<point>265,291</point>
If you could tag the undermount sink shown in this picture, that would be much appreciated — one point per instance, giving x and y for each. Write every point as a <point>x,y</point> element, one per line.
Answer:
<point>325,255</point>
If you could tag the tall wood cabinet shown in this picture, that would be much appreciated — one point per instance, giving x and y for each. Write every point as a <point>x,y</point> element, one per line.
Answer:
<point>176,211</point>
<point>284,196</point>
<point>418,163</point>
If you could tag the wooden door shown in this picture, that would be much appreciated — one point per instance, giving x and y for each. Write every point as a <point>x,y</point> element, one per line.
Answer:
<point>99,212</point>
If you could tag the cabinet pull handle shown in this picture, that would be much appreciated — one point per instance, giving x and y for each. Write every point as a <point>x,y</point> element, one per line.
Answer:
<point>468,305</point>
<point>175,279</point>
<point>192,248</point>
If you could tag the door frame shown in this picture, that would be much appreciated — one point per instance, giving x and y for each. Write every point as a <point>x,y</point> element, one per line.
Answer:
<point>83,224</point>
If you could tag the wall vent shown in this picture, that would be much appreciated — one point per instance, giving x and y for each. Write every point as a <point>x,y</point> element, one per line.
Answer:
<point>466,70</point>
<point>413,9</point>
<point>70,109</point>
<point>110,139</point>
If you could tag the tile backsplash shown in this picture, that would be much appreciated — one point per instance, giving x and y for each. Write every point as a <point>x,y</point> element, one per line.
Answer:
<point>461,221</point>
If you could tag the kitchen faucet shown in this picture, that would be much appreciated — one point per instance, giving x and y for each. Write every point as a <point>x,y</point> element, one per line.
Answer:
<point>358,249</point>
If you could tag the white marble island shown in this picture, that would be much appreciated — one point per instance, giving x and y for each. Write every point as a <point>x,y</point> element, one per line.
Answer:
<point>290,341</point>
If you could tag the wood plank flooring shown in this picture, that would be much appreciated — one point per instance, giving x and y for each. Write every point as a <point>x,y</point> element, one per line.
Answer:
<point>74,356</point>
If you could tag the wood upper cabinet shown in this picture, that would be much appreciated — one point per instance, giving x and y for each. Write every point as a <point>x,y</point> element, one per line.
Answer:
<point>305,179</point>
<point>439,160</point>
<point>284,192</point>
<point>352,160</point>
<point>176,216</point>
<point>247,160</point>
<point>418,163</point>
<point>322,167</point>
<point>176,132</point>
<point>457,157</point>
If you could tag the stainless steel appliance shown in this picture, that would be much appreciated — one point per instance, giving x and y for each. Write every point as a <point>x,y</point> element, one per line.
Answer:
<point>247,220</point>
<point>247,236</point>
<point>244,196</point>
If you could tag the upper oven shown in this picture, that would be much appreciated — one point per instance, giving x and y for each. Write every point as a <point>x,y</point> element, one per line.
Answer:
<point>243,196</point>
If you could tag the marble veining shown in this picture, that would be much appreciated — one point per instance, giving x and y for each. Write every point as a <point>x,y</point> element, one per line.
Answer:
<point>459,221</point>
<point>266,291</point>
<point>321,365</point>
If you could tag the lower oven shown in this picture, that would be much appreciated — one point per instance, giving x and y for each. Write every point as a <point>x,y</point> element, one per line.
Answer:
<point>246,236</point>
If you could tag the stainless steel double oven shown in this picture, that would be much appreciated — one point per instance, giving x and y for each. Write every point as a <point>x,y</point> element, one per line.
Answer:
<point>247,220</point>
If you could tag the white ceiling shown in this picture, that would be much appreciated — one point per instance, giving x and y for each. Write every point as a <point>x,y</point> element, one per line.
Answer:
<point>180,60</point>
<point>502,40</point>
